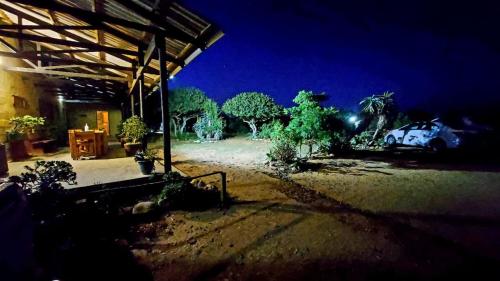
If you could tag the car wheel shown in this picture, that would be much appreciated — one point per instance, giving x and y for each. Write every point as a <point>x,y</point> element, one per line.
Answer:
<point>390,141</point>
<point>437,145</point>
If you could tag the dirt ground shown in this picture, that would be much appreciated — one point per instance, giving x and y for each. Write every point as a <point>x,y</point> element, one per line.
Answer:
<point>345,219</point>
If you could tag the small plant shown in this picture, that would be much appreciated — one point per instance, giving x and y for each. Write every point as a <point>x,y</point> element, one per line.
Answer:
<point>210,126</point>
<point>46,177</point>
<point>283,151</point>
<point>43,185</point>
<point>178,192</point>
<point>146,160</point>
<point>135,129</point>
<point>146,155</point>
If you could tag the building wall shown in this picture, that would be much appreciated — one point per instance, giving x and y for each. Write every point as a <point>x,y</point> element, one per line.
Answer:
<point>18,94</point>
<point>79,114</point>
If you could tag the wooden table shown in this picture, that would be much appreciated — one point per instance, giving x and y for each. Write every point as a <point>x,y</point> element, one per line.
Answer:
<point>92,143</point>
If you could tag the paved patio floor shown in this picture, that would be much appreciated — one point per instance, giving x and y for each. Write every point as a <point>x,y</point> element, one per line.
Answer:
<point>114,167</point>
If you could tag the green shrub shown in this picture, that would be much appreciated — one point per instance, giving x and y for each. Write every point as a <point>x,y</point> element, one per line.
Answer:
<point>45,177</point>
<point>179,193</point>
<point>283,151</point>
<point>135,129</point>
<point>23,125</point>
<point>268,130</point>
<point>210,126</point>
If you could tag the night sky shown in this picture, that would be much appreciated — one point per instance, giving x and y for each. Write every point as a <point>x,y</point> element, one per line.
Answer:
<point>433,56</point>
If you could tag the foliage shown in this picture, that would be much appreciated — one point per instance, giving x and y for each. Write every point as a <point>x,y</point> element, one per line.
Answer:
<point>401,120</point>
<point>269,130</point>
<point>119,129</point>
<point>283,150</point>
<point>210,126</point>
<point>23,125</point>
<point>146,155</point>
<point>307,120</point>
<point>134,129</point>
<point>253,108</point>
<point>46,177</point>
<point>185,104</point>
<point>178,192</point>
<point>380,107</point>
<point>362,139</point>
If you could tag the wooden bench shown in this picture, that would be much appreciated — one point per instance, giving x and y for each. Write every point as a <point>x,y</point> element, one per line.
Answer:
<point>45,146</point>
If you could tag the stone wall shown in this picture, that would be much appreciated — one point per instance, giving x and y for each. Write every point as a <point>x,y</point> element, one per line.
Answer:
<point>18,94</point>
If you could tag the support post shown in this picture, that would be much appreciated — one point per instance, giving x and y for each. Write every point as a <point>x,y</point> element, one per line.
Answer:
<point>141,83</point>
<point>162,57</point>
<point>141,95</point>
<point>132,104</point>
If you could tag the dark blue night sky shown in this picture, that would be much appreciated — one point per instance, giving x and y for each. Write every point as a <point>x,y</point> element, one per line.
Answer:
<point>439,55</point>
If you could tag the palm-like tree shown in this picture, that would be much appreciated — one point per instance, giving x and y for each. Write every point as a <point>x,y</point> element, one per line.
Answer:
<point>378,106</point>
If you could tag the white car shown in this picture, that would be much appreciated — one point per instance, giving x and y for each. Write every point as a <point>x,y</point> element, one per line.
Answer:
<point>428,134</point>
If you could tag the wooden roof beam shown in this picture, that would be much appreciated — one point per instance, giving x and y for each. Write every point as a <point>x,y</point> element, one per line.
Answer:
<point>38,38</point>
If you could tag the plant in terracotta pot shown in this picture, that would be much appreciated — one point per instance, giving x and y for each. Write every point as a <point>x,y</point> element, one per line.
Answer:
<point>134,130</point>
<point>146,160</point>
<point>22,128</point>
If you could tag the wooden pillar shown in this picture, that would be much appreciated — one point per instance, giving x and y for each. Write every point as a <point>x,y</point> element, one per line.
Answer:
<point>140,60</point>
<point>162,57</point>
<point>132,104</point>
<point>141,95</point>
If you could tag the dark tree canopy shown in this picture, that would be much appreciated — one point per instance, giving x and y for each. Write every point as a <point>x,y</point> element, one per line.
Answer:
<point>185,104</point>
<point>252,108</point>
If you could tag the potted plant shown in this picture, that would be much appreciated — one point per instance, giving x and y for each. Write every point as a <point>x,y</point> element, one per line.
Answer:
<point>22,128</point>
<point>146,160</point>
<point>134,130</point>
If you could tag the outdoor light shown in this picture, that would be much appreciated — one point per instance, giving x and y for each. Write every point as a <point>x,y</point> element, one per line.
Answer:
<point>60,98</point>
<point>171,77</point>
<point>353,119</point>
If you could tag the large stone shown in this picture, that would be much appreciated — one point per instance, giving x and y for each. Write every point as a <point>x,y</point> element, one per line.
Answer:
<point>143,207</point>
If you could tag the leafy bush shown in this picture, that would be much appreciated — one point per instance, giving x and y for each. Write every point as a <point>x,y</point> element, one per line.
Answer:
<point>178,192</point>
<point>283,150</point>
<point>135,129</point>
<point>46,177</point>
<point>43,184</point>
<point>362,139</point>
<point>210,126</point>
<point>23,125</point>
<point>268,130</point>
<point>146,155</point>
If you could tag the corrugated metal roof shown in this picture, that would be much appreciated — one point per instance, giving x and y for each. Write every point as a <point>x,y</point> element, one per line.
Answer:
<point>140,18</point>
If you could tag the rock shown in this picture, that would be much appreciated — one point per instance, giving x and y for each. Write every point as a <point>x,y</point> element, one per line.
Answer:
<point>201,184</point>
<point>139,253</point>
<point>143,207</point>
<point>195,182</point>
<point>192,241</point>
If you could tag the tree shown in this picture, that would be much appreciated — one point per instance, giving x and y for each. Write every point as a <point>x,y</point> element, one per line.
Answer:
<point>307,120</point>
<point>378,106</point>
<point>185,104</point>
<point>253,108</point>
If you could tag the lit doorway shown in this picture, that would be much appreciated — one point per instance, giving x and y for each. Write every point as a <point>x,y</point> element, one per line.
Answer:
<point>103,121</point>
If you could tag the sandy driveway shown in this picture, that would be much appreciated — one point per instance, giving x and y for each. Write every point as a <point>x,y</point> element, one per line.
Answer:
<point>347,220</point>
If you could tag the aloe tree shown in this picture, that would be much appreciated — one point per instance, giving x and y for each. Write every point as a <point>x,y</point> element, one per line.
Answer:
<point>378,106</point>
